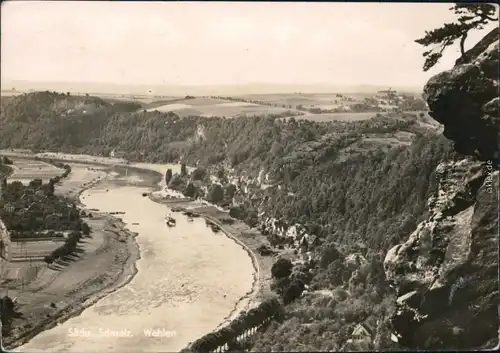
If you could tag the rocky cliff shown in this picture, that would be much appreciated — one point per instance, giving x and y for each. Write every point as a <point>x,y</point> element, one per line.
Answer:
<point>5,252</point>
<point>465,100</point>
<point>446,273</point>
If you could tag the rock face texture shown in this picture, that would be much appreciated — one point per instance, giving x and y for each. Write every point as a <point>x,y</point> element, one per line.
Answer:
<point>5,245</point>
<point>465,100</point>
<point>446,273</point>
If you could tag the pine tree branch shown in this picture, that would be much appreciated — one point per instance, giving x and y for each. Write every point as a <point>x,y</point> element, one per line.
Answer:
<point>490,18</point>
<point>462,42</point>
<point>470,17</point>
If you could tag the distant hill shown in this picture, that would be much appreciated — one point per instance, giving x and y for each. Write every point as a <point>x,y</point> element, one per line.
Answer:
<point>253,88</point>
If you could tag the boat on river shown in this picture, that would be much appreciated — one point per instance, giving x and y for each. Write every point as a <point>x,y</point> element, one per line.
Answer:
<point>170,221</point>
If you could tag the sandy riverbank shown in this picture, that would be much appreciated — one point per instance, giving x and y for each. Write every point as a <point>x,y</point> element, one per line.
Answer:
<point>208,294</point>
<point>55,293</point>
<point>95,160</point>
<point>76,288</point>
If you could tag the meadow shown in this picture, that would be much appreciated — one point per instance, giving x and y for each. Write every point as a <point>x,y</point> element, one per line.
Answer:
<point>298,104</point>
<point>265,104</point>
<point>214,107</point>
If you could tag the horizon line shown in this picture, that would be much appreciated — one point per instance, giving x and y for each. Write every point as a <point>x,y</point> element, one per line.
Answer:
<point>324,84</point>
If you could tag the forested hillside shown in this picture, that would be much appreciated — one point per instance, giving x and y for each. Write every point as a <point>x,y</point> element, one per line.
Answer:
<point>355,210</point>
<point>358,209</point>
<point>53,121</point>
<point>50,120</point>
<point>358,187</point>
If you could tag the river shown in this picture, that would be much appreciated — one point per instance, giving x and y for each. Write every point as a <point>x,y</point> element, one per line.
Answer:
<point>188,281</point>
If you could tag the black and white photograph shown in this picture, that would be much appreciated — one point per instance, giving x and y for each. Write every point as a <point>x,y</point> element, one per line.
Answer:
<point>249,176</point>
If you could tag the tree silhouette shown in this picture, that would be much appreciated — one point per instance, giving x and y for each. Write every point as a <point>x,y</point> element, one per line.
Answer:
<point>183,169</point>
<point>470,16</point>
<point>190,190</point>
<point>199,174</point>
<point>281,268</point>
<point>229,191</point>
<point>216,193</point>
<point>168,176</point>
<point>50,188</point>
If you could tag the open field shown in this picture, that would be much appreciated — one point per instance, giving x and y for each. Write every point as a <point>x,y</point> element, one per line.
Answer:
<point>10,93</point>
<point>97,163</point>
<point>213,107</point>
<point>372,141</point>
<point>112,98</point>
<point>337,116</point>
<point>263,104</point>
<point>295,98</point>
<point>24,250</point>
<point>141,99</point>
<point>26,170</point>
<point>182,100</point>
<point>45,293</point>
<point>317,100</point>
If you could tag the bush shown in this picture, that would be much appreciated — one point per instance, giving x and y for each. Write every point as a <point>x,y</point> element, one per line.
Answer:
<point>229,191</point>
<point>227,220</point>
<point>329,254</point>
<point>292,291</point>
<point>215,194</point>
<point>265,250</point>
<point>85,229</point>
<point>49,259</point>
<point>252,219</point>
<point>176,183</point>
<point>281,268</point>
<point>199,174</point>
<point>236,212</point>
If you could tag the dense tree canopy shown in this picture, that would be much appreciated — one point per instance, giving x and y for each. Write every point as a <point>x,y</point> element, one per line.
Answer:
<point>216,193</point>
<point>28,211</point>
<point>354,186</point>
<point>5,168</point>
<point>281,268</point>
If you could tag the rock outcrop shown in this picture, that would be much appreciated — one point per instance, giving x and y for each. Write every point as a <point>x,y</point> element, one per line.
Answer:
<point>5,252</point>
<point>465,100</point>
<point>446,273</point>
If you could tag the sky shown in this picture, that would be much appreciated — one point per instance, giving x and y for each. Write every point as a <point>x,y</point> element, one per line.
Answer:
<point>221,43</point>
